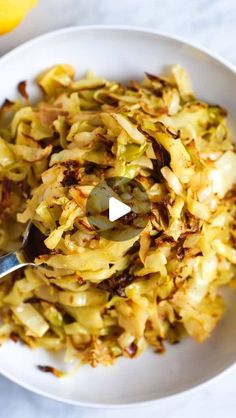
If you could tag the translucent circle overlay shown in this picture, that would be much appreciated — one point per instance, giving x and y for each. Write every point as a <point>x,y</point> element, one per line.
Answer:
<point>127,191</point>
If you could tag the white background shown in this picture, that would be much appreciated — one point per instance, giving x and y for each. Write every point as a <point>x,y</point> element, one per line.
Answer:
<point>208,22</point>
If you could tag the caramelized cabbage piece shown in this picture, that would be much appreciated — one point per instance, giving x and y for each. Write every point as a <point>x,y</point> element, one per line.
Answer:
<point>96,299</point>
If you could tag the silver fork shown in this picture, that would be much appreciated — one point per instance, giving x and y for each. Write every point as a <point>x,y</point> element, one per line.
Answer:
<point>32,246</point>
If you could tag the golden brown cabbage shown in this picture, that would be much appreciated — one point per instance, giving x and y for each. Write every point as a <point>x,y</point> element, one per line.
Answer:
<point>99,300</point>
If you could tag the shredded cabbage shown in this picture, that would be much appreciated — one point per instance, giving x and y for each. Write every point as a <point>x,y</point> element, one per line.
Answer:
<point>97,299</point>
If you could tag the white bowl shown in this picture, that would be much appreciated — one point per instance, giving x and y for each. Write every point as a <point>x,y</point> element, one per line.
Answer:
<point>124,54</point>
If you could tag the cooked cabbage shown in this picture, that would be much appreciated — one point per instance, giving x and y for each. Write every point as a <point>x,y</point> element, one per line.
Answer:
<point>97,299</point>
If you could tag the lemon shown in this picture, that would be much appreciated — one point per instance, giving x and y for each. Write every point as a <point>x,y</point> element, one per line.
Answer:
<point>12,12</point>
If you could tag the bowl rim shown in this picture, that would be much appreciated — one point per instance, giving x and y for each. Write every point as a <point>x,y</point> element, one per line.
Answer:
<point>168,36</point>
<point>129,28</point>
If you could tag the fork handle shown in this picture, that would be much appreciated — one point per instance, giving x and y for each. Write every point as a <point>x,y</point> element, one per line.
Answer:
<point>11,262</point>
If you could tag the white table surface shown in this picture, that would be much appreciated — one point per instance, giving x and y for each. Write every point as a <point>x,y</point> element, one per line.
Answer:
<point>208,22</point>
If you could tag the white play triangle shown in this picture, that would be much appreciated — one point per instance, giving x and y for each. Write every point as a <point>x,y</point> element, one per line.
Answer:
<point>117,209</point>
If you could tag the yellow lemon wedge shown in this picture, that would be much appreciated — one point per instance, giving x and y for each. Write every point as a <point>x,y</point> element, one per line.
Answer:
<point>12,12</point>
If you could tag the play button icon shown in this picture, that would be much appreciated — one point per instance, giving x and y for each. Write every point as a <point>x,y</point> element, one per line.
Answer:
<point>118,208</point>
